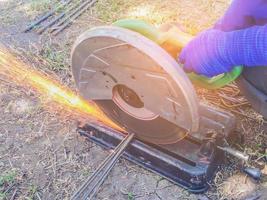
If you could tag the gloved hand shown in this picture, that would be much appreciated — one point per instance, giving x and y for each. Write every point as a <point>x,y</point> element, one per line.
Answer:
<point>214,52</point>
<point>201,55</point>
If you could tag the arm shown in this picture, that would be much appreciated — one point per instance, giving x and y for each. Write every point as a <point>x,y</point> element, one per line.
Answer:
<point>243,14</point>
<point>214,52</point>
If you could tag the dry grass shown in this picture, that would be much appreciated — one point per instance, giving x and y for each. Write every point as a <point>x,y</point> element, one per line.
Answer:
<point>194,15</point>
<point>33,8</point>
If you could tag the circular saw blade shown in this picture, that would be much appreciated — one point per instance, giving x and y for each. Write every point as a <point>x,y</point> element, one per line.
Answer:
<point>136,83</point>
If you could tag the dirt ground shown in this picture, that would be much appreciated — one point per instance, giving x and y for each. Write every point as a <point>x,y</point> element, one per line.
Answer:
<point>42,156</point>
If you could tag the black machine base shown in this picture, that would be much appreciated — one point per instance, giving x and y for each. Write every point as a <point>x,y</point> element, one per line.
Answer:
<point>187,163</point>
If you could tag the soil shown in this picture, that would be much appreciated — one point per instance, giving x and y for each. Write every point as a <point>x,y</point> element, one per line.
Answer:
<point>40,151</point>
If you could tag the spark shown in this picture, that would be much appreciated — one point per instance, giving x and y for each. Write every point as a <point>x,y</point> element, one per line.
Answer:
<point>20,73</point>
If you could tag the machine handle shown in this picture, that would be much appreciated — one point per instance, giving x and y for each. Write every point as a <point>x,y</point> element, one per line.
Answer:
<point>173,41</point>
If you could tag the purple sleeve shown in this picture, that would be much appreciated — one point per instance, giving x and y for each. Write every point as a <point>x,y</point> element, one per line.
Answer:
<point>214,51</point>
<point>247,46</point>
<point>243,14</point>
<point>238,38</point>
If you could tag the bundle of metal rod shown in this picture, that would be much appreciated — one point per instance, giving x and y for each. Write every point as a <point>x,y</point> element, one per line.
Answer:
<point>46,16</point>
<point>57,18</point>
<point>71,10</point>
<point>72,16</point>
<point>91,186</point>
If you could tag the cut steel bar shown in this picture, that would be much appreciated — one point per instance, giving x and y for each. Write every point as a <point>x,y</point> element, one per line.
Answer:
<point>47,15</point>
<point>67,17</point>
<point>91,186</point>
<point>76,15</point>
<point>51,23</point>
<point>41,30</point>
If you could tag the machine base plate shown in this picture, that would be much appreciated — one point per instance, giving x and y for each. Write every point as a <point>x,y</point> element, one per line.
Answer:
<point>187,163</point>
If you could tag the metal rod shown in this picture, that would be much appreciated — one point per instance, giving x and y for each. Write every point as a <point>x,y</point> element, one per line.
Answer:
<point>41,30</point>
<point>44,17</point>
<point>71,19</point>
<point>238,154</point>
<point>91,186</point>
<point>67,17</point>
<point>51,23</point>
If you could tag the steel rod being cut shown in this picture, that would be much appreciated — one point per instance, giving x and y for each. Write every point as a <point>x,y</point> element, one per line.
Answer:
<point>91,186</point>
<point>44,17</point>
<point>76,13</point>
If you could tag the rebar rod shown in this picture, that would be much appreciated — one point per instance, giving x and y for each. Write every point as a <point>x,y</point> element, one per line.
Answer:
<point>91,186</point>
<point>73,17</point>
<point>67,17</point>
<point>51,23</point>
<point>47,15</point>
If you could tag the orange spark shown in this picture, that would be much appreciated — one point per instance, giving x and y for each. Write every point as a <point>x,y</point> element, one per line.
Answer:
<point>20,73</point>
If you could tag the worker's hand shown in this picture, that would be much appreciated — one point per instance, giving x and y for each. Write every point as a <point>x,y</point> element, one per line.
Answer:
<point>214,52</point>
<point>206,54</point>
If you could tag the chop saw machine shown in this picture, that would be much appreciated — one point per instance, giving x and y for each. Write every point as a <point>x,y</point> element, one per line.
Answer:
<point>130,71</point>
